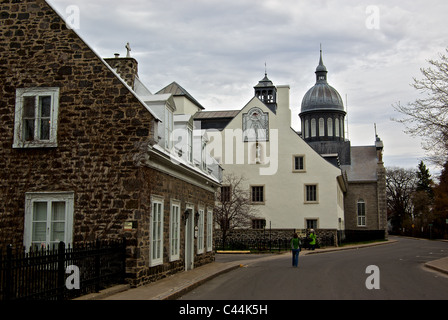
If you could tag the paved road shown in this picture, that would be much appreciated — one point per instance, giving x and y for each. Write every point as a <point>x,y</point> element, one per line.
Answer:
<point>337,275</point>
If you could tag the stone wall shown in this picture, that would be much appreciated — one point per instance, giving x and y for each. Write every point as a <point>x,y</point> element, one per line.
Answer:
<point>247,235</point>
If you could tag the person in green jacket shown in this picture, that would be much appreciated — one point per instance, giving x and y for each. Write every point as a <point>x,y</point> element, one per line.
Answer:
<point>295,247</point>
<point>312,238</point>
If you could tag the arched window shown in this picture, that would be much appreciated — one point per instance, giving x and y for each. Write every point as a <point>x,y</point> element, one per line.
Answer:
<point>321,127</point>
<point>361,212</point>
<point>313,127</point>
<point>307,129</point>
<point>330,127</point>
<point>336,125</point>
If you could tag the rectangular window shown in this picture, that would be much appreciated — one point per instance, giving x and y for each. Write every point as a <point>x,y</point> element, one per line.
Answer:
<point>48,219</point>
<point>174,231</point>
<point>201,231</point>
<point>311,193</point>
<point>36,116</point>
<point>311,223</point>
<point>190,145</point>
<point>361,213</point>
<point>298,163</point>
<point>156,226</point>
<point>209,230</point>
<point>258,223</point>
<point>257,193</point>
<point>225,194</point>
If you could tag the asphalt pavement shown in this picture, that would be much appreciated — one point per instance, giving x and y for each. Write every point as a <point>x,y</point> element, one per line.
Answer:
<point>175,286</point>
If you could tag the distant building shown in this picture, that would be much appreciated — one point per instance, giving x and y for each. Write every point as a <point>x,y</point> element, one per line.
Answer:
<point>311,179</point>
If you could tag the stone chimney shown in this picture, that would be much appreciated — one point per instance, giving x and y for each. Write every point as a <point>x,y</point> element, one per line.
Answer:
<point>127,68</point>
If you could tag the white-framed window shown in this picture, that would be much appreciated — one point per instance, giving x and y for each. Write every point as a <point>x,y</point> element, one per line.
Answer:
<point>174,230</point>
<point>336,126</point>
<point>361,213</point>
<point>156,225</point>
<point>168,128</point>
<point>321,127</point>
<point>311,193</point>
<point>313,127</point>
<point>201,231</point>
<point>330,127</point>
<point>209,230</point>
<point>48,219</point>
<point>36,117</point>
<point>307,129</point>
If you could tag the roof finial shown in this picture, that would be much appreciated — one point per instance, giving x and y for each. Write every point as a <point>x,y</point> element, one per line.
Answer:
<point>128,49</point>
<point>321,63</point>
<point>265,69</point>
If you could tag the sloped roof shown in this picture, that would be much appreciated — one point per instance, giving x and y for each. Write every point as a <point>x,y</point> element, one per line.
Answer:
<point>177,90</point>
<point>216,114</point>
<point>364,164</point>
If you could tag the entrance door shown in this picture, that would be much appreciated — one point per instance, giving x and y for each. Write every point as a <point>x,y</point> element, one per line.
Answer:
<point>189,241</point>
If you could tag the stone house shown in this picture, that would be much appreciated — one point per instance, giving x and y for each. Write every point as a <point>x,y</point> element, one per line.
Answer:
<point>86,151</point>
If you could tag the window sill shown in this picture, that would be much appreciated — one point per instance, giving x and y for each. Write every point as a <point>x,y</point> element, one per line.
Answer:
<point>34,145</point>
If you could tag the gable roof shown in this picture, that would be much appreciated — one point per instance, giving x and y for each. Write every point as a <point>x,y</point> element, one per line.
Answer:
<point>147,107</point>
<point>364,164</point>
<point>177,90</point>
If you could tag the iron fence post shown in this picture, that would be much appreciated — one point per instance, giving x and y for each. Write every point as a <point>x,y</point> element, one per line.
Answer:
<point>61,270</point>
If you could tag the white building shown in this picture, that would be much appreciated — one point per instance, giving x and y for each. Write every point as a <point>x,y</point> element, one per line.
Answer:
<point>292,185</point>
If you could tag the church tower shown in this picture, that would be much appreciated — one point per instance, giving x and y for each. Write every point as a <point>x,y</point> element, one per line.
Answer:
<point>323,119</point>
<point>267,93</point>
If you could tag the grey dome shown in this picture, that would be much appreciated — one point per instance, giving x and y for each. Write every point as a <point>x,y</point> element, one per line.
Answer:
<point>322,96</point>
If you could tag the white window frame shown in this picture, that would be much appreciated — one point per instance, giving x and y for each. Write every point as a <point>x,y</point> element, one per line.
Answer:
<point>49,197</point>
<point>321,127</point>
<point>361,216</point>
<point>209,230</point>
<point>19,139</point>
<point>174,230</point>
<point>156,232</point>
<point>201,231</point>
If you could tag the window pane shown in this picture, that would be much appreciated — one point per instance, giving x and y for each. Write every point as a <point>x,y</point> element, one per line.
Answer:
<point>40,211</point>
<point>44,129</point>
<point>28,129</point>
<point>29,107</point>
<point>58,211</point>
<point>39,232</point>
<point>57,231</point>
<point>45,106</point>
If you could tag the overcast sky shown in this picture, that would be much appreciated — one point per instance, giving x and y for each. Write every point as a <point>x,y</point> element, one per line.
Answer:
<point>217,51</point>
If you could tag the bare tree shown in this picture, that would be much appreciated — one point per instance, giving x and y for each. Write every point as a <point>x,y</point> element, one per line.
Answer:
<point>427,117</point>
<point>233,207</point>
<point>400,186</point>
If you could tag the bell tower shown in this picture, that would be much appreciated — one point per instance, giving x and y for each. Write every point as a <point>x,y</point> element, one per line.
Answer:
<point>267,93</point>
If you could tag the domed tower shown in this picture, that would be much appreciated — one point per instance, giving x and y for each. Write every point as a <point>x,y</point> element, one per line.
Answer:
<point>323,118</point>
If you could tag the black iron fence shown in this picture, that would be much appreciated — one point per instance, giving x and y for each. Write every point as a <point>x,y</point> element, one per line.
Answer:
<point>61,273</point>
<point>273,245</point>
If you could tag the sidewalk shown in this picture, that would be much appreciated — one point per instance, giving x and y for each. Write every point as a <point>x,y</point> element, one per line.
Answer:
<point>176,285</point>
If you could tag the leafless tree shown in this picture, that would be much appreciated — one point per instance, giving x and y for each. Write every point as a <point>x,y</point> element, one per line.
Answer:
<point>400,186</point>
<point>233,207</point>
<point>427,117</point>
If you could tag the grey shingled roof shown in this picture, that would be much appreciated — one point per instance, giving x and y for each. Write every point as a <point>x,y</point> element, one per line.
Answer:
<point>177,90</point>
<point>364,163</point>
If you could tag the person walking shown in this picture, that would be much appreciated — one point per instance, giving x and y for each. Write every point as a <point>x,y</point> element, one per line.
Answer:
<point>312,238</point>
<point>295,247</point>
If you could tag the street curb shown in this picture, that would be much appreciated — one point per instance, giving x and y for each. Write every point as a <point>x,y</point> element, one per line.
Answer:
<point>105,293</point>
